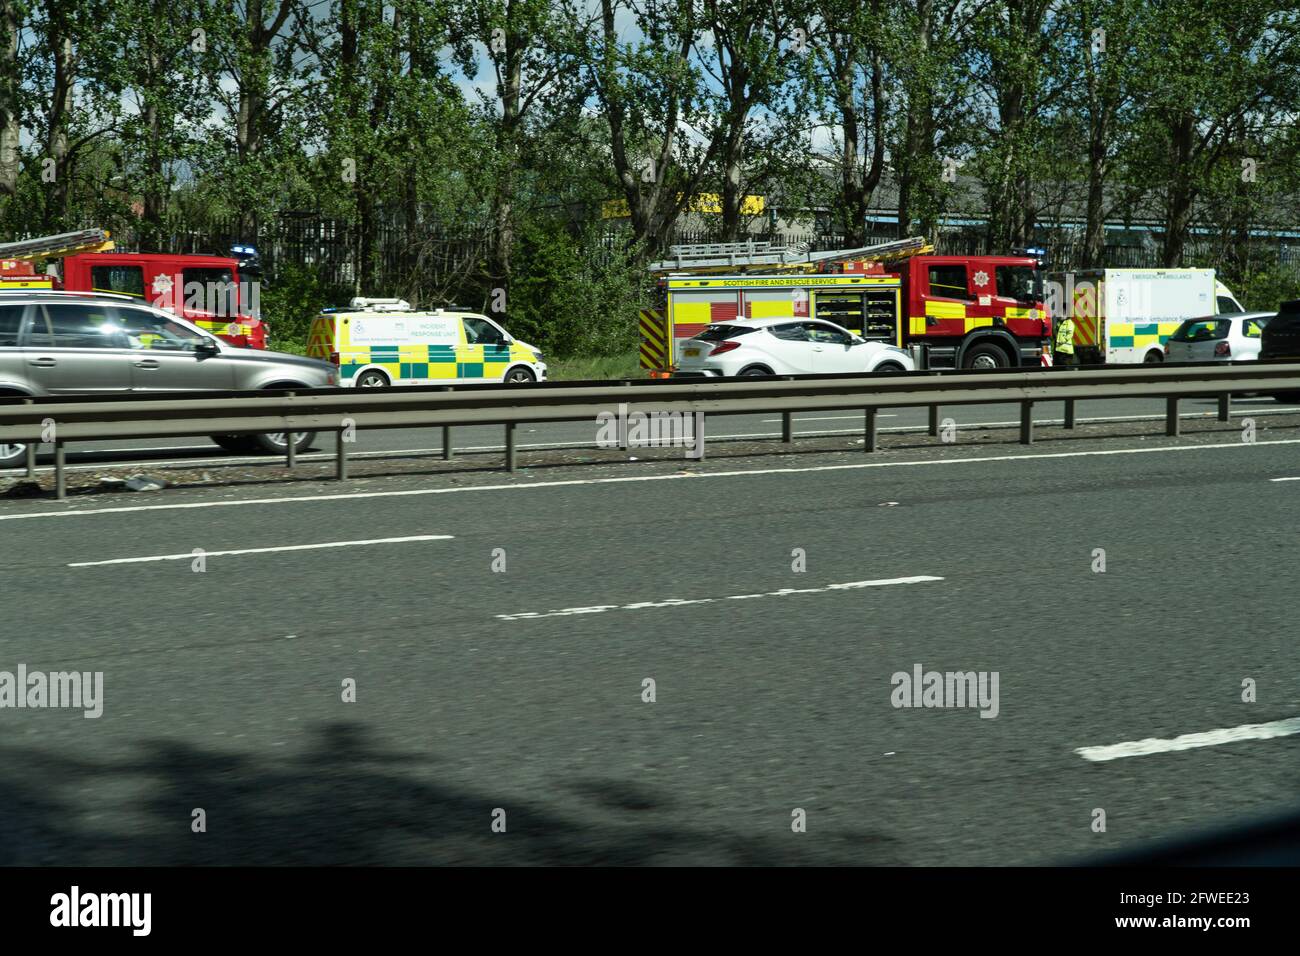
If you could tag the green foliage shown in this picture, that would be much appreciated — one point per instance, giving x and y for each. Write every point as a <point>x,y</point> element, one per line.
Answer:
<point>292,300</point>
<point>1262,289</point>
<point>571,296</point>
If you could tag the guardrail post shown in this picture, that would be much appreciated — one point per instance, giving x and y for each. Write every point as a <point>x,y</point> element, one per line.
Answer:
<point>341,472</point>
<point>1171,416</point>
<point>934,421</point>
<point>1225,407</point>
<point>290,446</point>
<point>1026,423</point>
<point>31,451</point>
<point>1069,413</point>
<point>60,479</point>
<point>446,436</point>
<point>510,446</point>
<point>787,427</point>
<point>869,438</point>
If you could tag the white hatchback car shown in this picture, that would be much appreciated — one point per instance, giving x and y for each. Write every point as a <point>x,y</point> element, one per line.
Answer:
<point>1218,338</point>
<point>784,346</point>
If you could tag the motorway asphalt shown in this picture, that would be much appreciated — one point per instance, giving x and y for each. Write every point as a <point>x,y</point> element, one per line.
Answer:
<point>222,688</point>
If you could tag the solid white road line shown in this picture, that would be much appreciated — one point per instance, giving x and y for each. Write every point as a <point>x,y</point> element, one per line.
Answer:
<point>1284,479</point>
<point>1208,738</point>
<point>291,547</point>
<point>682,602</point>
<point>675,476</point>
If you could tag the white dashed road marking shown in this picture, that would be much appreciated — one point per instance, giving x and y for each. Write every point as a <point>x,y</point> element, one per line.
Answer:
<point>291,547</point>
<point>682,602</point>
<point>1208,738</point>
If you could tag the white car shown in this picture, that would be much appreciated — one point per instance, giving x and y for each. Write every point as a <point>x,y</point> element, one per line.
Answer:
<point>1218,338</point>
<point>784,346</point>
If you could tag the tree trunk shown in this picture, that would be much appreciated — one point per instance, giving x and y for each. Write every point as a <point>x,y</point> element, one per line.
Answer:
<point>1094,236</point>
<point>61,105</point>
<point>155,194</point>
<point>1181,194</point>
<point>920,107</point>
<point>10,81</point>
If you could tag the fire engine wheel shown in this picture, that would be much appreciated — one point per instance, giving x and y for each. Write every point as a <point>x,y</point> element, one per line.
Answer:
<point>984,356</point>
<point>1153,357</point>
<point>273,443</point>
<point>372,379</point>
<point>11,456</point>
<point>520,376</point>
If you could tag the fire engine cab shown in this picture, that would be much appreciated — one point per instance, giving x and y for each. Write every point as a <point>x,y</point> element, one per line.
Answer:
<point>950,311</point>
<point>214,292</point>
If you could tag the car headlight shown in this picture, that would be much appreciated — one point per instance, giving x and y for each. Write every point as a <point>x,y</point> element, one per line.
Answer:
<point>537,356</point>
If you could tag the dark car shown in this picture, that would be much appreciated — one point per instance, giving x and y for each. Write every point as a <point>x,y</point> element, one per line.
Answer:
<point>1281,340</point>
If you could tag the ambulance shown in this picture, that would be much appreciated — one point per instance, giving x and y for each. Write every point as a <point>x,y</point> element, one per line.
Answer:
<point>381,342</point>
<point>1125,316</point>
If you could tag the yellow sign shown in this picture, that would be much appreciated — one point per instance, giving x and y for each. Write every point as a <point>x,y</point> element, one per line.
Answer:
<point>793,281</point>
<point>704,202</point>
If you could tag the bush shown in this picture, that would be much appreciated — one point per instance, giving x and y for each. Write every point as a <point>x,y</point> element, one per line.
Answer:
<point>292,299</point>
<point>1263,289</point>
<point>571,296</point>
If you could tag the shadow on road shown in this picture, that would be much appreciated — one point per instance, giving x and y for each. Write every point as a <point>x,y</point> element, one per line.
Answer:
<point>346,800</point>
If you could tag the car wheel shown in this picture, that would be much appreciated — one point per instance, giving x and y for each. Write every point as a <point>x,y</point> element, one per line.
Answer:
<point>237,444</point>
<point>888,368</point>
<point>1153,358</point>
<point>520,376</point>
<point>754,371</point>
<point>273,443</point>
<point>12,456</point>
<point>372,379</point>
<point>984,356</point>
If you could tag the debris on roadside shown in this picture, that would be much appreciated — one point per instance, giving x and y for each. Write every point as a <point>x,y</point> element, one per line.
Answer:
<point>144,483</point>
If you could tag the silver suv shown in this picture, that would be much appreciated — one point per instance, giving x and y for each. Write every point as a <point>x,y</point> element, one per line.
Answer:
<point>59,343</point>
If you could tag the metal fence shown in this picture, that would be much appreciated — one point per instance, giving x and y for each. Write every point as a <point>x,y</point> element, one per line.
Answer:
<point>344,411</point>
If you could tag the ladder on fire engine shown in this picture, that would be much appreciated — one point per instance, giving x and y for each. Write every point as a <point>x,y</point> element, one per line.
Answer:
<point>746,256</point>
<point>56,246</point>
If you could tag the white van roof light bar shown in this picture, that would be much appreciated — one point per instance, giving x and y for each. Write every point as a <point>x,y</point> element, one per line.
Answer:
<point>380,305</point>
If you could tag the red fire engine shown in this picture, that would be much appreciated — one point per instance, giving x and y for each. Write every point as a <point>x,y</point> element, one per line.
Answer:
<point>213,292</point>
<point>953,311</point>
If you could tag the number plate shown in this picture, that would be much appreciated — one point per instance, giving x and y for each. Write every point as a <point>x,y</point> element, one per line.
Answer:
<point>691,352</point>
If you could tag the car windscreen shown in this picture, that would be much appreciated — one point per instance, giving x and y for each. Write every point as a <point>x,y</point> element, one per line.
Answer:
<point>1202,330</point>
<point>721,332</point>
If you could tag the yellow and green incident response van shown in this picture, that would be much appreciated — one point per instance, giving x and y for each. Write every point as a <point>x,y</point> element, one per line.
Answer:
<point>380,342</point>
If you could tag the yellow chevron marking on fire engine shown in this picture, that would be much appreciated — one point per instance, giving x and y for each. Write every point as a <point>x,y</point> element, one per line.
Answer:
<point>654,339</point>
